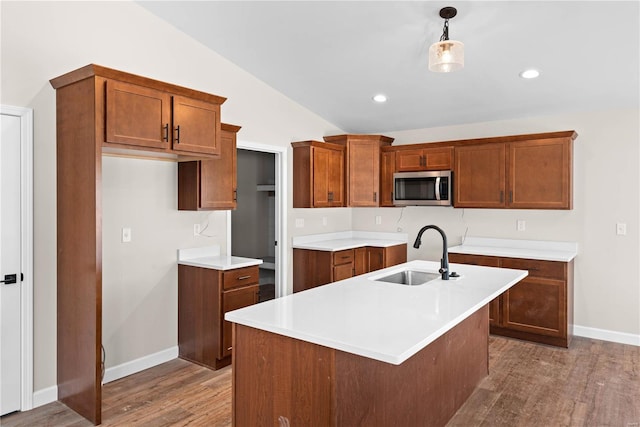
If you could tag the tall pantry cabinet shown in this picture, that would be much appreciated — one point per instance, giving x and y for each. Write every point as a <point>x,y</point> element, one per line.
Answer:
<point>100,109</point>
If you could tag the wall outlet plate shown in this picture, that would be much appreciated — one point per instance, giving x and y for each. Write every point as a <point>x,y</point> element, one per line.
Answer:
<point>126,235</point>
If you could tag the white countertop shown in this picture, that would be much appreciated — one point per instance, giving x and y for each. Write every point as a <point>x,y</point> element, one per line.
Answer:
<point>209,257</point>
<point>348,240</point>
<point>511,248</point>
<point>379,320</point>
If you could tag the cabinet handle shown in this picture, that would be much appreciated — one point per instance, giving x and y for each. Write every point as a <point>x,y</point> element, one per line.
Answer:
<point>423,160</point>
<point>330,196</point>
<point>375,196</point>
<point>501,196</point>
<point>244,277</point>
<point>235,195</point>
<point>165,137</point>
<point>178,134</point>
<point>510,196</point>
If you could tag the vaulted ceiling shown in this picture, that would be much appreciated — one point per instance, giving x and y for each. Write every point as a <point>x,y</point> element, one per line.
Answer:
<point>333,56</point>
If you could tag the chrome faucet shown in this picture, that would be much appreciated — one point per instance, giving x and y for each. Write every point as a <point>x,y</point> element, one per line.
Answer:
<point>444,262</point>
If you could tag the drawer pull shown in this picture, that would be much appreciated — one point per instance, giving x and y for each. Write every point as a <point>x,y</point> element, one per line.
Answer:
<point>244,277</point>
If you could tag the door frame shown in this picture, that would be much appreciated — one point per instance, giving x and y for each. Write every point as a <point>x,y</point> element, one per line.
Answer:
<point>26,218</point>
<point>282,248</point>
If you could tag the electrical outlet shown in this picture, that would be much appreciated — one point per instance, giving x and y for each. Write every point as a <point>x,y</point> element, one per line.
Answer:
<point>621,229</point>
<point>521,225</point>
<point>196,229</point>
<point>378,220</point>
<point>299,222</point>
<point>126,235</point>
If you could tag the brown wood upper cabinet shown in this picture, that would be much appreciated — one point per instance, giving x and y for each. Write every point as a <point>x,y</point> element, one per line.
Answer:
<point>318,174</point>
<point>211,184</point>
<point>387,169</point>
<point>424,159</point>
<point>362,170</point>
<point>134,112</point>
<point>531,173</point>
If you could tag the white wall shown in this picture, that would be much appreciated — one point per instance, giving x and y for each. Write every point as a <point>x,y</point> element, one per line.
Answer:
<point>42,40</point>
<point>606,191</point>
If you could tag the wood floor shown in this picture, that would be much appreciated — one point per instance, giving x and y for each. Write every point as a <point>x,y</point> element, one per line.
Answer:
<point>594,383</point>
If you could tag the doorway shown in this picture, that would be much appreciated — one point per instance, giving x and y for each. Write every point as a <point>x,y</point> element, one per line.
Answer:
<point>256,227</point>
<point>16,259</point>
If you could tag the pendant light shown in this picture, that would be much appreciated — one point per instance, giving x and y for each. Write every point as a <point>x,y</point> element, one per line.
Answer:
<point>446,55</point>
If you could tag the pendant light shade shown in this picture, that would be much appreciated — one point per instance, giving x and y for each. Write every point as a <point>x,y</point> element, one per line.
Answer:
<point>446,55</point>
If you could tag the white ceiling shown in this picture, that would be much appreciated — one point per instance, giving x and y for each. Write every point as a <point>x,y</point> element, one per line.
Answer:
<point>333,56</point>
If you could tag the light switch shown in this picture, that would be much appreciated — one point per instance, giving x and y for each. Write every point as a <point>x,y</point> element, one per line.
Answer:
<point>621,229</point>
<point>521,225</point>
<point>126,235</point>
<point>324,220</point>
<point>378,220</point>
<point>299,222</point>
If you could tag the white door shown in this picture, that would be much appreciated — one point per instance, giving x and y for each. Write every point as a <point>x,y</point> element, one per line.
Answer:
<point>10,264</point>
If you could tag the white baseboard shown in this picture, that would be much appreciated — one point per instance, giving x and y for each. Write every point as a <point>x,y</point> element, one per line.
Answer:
<point>44,396</point>
<point>50,394</point>
<point>605,335</point>
<point>137,365</point>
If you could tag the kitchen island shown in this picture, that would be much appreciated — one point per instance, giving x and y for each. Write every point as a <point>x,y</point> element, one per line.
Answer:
<point>365,352</point>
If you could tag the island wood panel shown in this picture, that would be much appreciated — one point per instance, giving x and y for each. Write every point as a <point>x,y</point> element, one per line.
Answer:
<point>394,255</point>
<point>79,247</point>
<point>279,380</point>
<point>311,268</point>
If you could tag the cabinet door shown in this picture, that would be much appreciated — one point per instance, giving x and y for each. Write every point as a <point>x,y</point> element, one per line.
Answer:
<point>436,159</point>
<point>495,318</point>
<point>341,272</point>
<point>328,177</point>
<point>375,258</point>
<point>536,305</point>
<point>196,126</point>
<point>233,300</point>
<point>360,261</point>
<point>137,116</point>
<point>480,176</point>
<point>218,177</point>
<point>387,169</point>
<point>335,178</point>
<point>409,160</point>
<point>540,174</point>
<point>364,173</point>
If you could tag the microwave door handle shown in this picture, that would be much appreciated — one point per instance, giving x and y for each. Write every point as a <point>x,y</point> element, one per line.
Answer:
<point>437,192</point>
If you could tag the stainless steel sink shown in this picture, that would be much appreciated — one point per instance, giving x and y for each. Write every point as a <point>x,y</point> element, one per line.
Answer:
<point>409,277</point>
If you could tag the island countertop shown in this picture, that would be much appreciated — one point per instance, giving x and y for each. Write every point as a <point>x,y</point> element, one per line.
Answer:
<point>379,320</point>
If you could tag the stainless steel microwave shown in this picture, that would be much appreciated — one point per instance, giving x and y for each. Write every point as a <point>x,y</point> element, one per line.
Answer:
<point>432,188</point>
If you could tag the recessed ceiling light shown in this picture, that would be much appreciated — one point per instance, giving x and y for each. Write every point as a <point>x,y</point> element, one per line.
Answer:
<point>530,74</point>
<point>380,98</point>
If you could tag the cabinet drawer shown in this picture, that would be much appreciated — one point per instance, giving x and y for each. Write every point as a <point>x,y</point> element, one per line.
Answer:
<point>483,260</point>
<point>547,269</point>
<point>343,257</point>
<point>240,277</point>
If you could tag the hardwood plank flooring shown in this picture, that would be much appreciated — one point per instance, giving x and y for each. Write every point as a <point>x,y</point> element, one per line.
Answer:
<point>594,383</point>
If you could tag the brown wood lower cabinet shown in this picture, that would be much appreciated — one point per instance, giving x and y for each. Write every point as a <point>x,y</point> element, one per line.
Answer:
<point>204,296</point>
<point>539,308</point>
<point>313,268</point>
